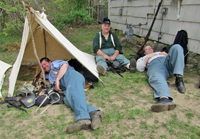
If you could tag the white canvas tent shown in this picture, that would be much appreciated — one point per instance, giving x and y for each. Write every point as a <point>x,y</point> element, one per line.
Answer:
<point>49,43</point>
<point>4,67</point>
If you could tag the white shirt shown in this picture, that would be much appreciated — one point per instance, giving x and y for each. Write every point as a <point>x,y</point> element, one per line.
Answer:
<point>141,64</point>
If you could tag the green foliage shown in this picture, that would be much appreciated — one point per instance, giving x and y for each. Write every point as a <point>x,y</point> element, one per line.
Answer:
<point>11,17</point>
<point>74,18</point>
<point>60,12</point>
<point>7,41</point>
<point>105,7</point>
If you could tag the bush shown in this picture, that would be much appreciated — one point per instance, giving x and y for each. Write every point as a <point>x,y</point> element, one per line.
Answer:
<point>60,12</point>
<point>73,18</point>
<point>11,17</point>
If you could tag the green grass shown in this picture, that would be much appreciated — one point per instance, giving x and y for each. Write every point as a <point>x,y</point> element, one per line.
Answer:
<point>126,103</point>
<point>187,131</point>
<point>10,39</point>
<point>6,56</point>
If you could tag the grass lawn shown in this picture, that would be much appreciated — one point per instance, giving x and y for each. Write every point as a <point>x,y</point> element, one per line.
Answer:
<point>126,103</point>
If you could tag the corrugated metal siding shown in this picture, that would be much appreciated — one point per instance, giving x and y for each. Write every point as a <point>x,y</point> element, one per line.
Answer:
<point>135,12</point>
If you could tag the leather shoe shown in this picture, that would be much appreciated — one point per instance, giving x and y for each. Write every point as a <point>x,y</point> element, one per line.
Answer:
<point>96,117</point>
<point>132,65</point>
<point>101,70</point>
<point>164,104</point>
<point>79,125</point>
<point>180,85</point>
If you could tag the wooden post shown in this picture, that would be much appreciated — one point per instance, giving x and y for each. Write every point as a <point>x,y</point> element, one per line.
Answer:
<point>92,4</point>
<point>89,6</point>
<point>98,12</point>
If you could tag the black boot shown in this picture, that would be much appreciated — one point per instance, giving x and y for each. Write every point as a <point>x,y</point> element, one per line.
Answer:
<point>180,85</point>
<point>163,104</point>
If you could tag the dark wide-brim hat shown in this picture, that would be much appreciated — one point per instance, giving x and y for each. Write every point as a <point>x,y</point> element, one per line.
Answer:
<point>106,21</point>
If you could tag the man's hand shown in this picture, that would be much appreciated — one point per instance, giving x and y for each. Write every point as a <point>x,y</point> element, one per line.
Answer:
<point>57,85</point>
<point>112,57</point>
<point>107,57</point>
<point>61,73</point>
<point>150,56</point>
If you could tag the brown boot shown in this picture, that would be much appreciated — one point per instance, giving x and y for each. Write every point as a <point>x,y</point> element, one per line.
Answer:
<point>101,70</point>
<point>96,117</point>
<point>79,125</point>
<point>132,65</point>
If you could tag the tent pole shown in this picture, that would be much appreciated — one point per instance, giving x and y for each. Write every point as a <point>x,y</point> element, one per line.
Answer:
<point>27,11</point>
<point>45,43</point>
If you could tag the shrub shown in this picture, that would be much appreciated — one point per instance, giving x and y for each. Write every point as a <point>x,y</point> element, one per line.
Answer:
<point>73,18</point>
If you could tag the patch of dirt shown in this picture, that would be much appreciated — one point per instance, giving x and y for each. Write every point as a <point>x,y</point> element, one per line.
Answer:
<point>26,73</point>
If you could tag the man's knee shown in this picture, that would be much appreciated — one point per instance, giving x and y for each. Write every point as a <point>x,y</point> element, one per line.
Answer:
<point>156,77</point>
<point>100,59</point>
<point>122,59</point>
<point>176,47</point>
<point>120,56</point>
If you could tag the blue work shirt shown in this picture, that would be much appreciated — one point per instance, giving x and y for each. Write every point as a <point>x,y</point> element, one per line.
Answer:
<point>55,67</point>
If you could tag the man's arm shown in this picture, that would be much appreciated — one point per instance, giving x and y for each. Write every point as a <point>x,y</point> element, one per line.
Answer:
<point>101,53</point>
<point>143,61</point>
<point>149,56</point>
<point>60,74</point>
<point>116,53</point>
<point>117,43</point>
<point>141,64</point>
<point>96,44</point>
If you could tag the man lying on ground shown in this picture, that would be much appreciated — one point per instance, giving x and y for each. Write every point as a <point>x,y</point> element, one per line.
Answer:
<point>160,67</point>
<point>72,83</point>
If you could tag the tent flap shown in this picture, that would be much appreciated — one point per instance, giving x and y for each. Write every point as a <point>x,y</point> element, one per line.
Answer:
<point>3,69</point>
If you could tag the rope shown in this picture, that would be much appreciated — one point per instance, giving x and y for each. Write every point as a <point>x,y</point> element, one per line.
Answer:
<point>27,11</point>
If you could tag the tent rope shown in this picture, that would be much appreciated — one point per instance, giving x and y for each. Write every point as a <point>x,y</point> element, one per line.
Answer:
<point>27,11</point>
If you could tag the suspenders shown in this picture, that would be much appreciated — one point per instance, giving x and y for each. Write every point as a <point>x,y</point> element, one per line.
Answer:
<point>100,40</point>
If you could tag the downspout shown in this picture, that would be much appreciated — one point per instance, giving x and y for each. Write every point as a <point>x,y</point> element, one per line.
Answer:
<point>154,7</point>
<point>154,10</point>
<point>179,9</point>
